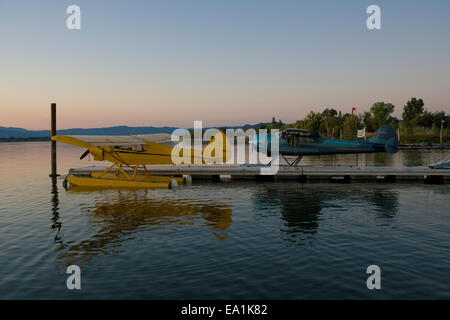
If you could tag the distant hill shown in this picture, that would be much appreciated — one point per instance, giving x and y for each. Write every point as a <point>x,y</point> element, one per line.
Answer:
<point>7,132</point>
<point>10,132</point>
<point>255,126</point>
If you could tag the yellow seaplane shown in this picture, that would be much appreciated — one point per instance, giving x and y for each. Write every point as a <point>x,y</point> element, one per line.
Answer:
<point>129,156</point>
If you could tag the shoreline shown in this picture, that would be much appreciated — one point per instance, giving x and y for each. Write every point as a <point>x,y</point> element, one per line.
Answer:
<point>24,139</point>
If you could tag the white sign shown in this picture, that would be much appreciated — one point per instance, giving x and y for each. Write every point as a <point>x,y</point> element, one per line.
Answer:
<point>362,133</point>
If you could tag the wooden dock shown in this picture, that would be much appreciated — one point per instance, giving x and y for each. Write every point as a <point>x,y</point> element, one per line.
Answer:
<point>301,173</point>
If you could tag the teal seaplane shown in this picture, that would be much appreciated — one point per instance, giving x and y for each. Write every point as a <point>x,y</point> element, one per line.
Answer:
<point>299,142</point>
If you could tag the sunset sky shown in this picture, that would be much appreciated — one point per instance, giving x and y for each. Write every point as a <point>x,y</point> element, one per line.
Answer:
<point>158,63</point>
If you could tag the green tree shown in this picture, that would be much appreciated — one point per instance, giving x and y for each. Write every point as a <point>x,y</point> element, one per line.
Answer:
<point>394,122</point>
<point>382,113</point>
<point>438,117</point>
<point>413,109</point>
<point>275,124</point>
<point>369,121</point>
<point>329,122</point>
<point>300,124</point>
<point>349,127</point>
<point>313,121</point>
<point>426,119</point>
<point>329,113</point>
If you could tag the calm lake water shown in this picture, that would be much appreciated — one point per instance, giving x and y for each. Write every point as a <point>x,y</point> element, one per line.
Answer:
<point>236,240</point>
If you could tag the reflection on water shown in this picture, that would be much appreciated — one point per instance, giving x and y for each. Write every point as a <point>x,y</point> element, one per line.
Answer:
<point>118,214</point>
<point>385,202</point>
<point>382,160</point>
<point>237,240</point>
<point>56,223</point>
<point>413,158</point>
<point>301,206</point>
<point>407,158</point>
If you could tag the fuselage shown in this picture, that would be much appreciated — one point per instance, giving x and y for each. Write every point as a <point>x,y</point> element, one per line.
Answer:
<point>295,142</point>
<point>328,146</point>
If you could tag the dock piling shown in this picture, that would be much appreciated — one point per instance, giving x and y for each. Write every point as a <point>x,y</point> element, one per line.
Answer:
<point>53,174</point>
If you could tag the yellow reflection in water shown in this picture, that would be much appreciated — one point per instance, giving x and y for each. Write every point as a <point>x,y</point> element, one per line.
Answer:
<point>118,214</point>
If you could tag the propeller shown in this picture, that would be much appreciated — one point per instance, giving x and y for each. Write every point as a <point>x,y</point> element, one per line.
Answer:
<point>84,154</point>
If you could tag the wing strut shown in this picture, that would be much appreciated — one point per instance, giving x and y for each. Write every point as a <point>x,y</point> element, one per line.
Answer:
<point>295,162</point>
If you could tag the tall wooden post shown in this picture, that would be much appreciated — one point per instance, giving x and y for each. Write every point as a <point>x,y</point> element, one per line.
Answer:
<point>441,133</point>
<point>53,143</point>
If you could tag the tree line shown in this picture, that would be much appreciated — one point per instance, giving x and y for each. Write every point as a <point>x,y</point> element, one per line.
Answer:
<point>333,123</point>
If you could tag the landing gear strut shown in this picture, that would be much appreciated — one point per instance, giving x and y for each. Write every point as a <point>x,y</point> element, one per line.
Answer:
<point>295,162</point>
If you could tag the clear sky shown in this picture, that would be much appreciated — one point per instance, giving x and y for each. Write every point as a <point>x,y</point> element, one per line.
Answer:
<point>155,63</point>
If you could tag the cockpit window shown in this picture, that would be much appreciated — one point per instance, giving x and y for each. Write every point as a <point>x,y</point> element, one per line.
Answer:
<point>295,140</point>
<point>139,148</point>
<point>136,148</point>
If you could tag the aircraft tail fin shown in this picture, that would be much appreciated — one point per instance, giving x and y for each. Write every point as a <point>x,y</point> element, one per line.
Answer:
<point>386,135</point>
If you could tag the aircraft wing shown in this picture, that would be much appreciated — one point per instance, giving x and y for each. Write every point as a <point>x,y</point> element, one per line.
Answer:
<point>88,141</point>
<point>155,137</point>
